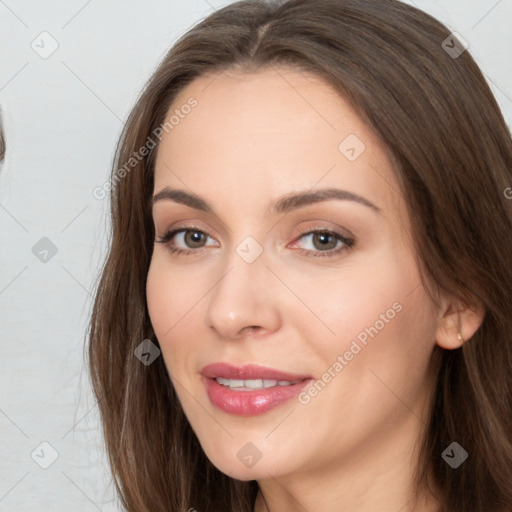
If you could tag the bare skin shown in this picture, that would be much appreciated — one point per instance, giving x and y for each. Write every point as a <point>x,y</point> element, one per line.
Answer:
<point>251,139</point>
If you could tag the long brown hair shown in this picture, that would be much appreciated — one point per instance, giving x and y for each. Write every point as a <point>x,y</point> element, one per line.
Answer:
<point>453,160</point>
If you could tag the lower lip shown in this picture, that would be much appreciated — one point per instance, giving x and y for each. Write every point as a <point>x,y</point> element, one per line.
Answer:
<point>250,403</point>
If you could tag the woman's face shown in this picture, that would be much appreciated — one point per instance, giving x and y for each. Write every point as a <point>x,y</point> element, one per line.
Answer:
<point>343,307</point>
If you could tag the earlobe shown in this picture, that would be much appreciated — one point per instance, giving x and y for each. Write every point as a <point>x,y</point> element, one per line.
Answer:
<point>458,324</point>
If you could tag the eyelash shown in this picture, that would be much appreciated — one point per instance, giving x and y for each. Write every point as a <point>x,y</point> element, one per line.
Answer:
<point>348,242</point>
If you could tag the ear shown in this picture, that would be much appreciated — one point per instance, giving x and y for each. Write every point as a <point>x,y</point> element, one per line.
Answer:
<point>458,319</point>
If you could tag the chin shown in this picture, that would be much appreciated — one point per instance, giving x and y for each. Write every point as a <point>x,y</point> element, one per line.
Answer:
<point>241,465</point>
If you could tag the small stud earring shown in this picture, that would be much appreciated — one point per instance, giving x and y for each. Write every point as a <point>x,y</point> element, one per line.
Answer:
<point>459,335</point>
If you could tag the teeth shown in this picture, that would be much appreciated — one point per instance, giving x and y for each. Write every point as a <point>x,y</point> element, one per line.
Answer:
<point>247,385</point>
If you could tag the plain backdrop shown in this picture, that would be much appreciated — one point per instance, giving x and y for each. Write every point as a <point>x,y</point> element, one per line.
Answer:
<point>69,74</point>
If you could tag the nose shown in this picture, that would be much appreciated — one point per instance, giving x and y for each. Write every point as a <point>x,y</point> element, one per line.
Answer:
<point>244,301</point>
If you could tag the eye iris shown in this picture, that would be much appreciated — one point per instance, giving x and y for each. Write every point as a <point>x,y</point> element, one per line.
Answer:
<point>324,237</point>
<point>192,237</point>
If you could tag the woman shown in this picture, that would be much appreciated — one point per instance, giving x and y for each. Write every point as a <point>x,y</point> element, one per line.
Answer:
<point>306,302</point>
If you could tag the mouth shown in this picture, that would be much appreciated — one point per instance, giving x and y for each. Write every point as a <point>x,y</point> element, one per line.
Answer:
<point>252,384</point>
<point>250,390</point>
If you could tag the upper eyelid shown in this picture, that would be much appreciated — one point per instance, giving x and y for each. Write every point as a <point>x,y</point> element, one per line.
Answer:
<point>339,229</point>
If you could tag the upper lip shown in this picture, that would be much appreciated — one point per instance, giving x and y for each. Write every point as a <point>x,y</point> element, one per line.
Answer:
<point>248,371</point>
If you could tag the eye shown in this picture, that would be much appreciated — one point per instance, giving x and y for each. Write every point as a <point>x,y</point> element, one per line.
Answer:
<point>325,243</point>
<point>191,236</point>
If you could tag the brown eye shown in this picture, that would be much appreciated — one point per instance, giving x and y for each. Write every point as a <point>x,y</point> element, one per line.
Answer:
<point>325,241</point>
<point>184,240</point>
<point>194,239</point>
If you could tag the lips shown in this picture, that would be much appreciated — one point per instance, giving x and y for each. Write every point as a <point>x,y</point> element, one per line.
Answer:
<point>248,372</point>
<point>244,401</point>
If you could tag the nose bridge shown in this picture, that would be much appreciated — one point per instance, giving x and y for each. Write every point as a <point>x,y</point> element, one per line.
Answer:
<point>242,296</point>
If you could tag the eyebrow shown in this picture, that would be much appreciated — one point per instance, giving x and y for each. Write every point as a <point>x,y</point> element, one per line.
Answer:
<point>283,204</point>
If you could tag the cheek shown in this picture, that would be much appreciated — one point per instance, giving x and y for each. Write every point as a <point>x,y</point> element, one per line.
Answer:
<point>171,294</point>
<point>165,306</point>
<point>364,390</point>
<point>158,295</point>
<point>380,362</point>
<point>377,329</point>
<point>175,298</point>
<point>357,303</point>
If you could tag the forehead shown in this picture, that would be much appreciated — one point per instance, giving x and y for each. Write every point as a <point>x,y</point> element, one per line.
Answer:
<point>267,133</point>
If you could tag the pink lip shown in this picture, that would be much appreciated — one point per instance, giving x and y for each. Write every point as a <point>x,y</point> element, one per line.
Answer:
<point>247,371</point>
<point>249,403</point>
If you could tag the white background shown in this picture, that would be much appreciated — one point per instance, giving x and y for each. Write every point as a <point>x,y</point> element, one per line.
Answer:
<point>62,117</point>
